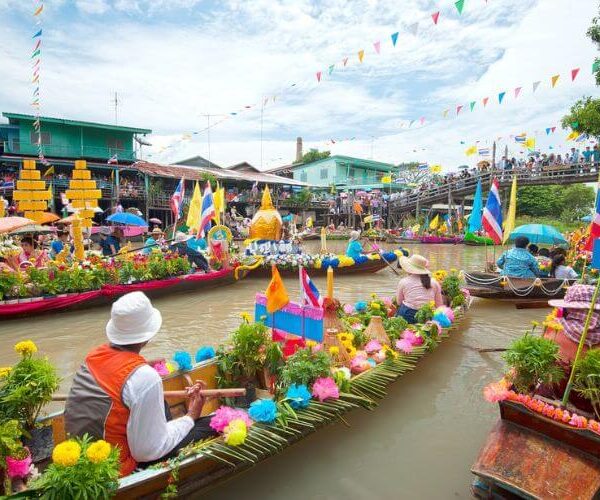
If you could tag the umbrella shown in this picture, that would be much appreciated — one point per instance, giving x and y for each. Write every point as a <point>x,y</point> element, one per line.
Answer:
<point>8,224</point>
<point>154,220</point>
<point>586,218</point>
<point>48,218</point>
<point>127,219</point>
<point>539,233</point>
<point>34,228</point>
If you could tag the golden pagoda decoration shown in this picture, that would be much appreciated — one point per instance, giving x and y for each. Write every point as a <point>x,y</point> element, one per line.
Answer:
<point>31,193</point>
<point>83,193</point>
<point>266,223</point>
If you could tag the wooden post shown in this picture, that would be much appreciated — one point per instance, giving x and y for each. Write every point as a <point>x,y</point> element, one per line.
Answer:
<point>494,156</point>
<point>147,187</point>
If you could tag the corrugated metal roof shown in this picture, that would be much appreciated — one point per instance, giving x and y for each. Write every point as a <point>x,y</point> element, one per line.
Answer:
<point>76,123</point>
<point>198,173</point>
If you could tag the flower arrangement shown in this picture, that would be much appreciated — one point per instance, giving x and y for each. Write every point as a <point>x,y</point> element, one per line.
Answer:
<point>298,396</point>
<point>13,456</point>
<point>225,414</point>
<point>263,410</point>
<point>80,469</point>
<point>304,367</point>
<point>325,388</point>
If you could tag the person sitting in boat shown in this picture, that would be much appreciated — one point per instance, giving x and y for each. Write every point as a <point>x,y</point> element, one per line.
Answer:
<point>518,262</point>
<point>560,270</point>
<point>117,396</point>
<point>29,255</point>
<point>59,243</point>
<point>416,289</point>
<point>108,243</point>
<point>354,248</point>
<point>196,258</point>
<point>153,242</point>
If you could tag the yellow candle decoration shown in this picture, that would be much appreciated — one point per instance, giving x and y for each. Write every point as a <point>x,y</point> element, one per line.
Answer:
<point>78,238</point>
<point>31,194</point>
<point>83,193</point>
<point>330,283</point>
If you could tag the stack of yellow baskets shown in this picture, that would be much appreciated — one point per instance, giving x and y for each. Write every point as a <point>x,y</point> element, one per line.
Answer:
<point>83,193</point>
<point>31,193</point>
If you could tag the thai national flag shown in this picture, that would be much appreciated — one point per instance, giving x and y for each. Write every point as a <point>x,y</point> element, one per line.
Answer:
<point>208,211</point>
<point>492,214</point>
<point>177,200</point>
<point>309,291</point>
<point>594,226</point>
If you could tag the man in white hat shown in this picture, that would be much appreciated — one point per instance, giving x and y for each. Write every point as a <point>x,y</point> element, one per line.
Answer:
<point>117,396</point>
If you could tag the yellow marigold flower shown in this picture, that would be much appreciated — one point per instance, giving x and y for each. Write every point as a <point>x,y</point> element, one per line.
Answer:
<point>350,350</point>
<point>98,452</point>
<point>373,295</point>
<point>235,433</point>
<point>375,305</point>
<point>311,343</point>
<point>432,304</point>
<point>334,350</point>
<point>66,453</point>
<point>25,348</point>
<point>343,337</point>
<point>535,323</point>
<point>246,317</point>
<point>4,371</point>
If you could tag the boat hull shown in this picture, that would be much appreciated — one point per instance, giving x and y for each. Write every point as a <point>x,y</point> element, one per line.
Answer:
<point>371,266</point>
<point>488,286</point>
<point>107,294</point>
<point>441,240</point>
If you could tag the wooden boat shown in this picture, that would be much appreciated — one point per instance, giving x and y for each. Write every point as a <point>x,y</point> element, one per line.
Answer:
<point>370,266</point>
<point>528,455</point>
<point>402,240</point>
<point>494,286</point>
<point>213,462</point>
<point>194,282</point>
<point>441,240</point>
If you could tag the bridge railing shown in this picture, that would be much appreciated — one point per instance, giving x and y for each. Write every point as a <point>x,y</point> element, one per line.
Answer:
<point>563,174</point>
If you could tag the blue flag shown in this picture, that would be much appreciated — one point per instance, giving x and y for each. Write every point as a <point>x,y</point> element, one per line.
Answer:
<point>475,219</point>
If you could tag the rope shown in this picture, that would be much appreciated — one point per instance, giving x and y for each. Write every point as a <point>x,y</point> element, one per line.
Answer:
<point>506,281</point>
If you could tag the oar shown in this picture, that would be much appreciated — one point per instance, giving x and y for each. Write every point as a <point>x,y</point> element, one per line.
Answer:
<point>377,249</point>
<point>141,248</point>
<point>213,393</point>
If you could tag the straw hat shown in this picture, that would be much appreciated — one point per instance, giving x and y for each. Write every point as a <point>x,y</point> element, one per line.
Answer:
<point>133,320</point>
<point>156,231</point>
<point>180,237</point>
<point>577,297</point>
<point>415,264</point>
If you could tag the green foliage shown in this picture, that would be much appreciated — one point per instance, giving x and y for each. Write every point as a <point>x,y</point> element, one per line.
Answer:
<point>11,285</point>
<point>587,378</point>
<point>84,480</point>
<point>303,197</point>
<point>394,327</point>
<point>248,342</point>
<point>425,313</point>
<point>570,202</point>
<point>26,389</point>
<point>315,155</point>
<point>10,441</point>
<point>533,360</point>
<point>562,226</point>
<point>451,285</point>
<point>594,33</point>
<point>304,367</point>
<point>360,338</point>
<point>586,112</point>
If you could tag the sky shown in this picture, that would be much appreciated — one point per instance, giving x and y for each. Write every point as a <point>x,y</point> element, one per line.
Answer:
<point>252,66</point>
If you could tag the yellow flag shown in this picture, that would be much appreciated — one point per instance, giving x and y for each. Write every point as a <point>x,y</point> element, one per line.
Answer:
<point>435,222</point>
<point>529,143</point>
<point>48,172</point>
<point>277,296</point>
<point>471,150</point>
<point>2,207</point>
<point>573,135</point>
<point>386,179</point>
<point>219,202</point>
<point>435,169</point>
<point>193,217</point>
<point>509,224</point>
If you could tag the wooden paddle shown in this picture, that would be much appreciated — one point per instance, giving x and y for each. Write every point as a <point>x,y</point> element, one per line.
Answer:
<point>378,250</point>
<point>213,393</point>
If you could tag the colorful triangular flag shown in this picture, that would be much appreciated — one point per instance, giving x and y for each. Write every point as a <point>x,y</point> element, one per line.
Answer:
<point>39,33</point>
<point>458,108</point>
<point>554,80</point>
<point>435,16</point>
<point>331,68</point>
<point>459,5</point>
<point>361,55</point>
<point>445,113</point>
<point>472,105</point>
<point>536,85</point>
<point>318,77</point>
<point>410,124</point>
<point>394,38</point>
<point>517,92</point>
<point>345,61</point>
<point>485,101</point>
<point>574,73</point>
<point>39,10</point>
<point>377,46</point>
<point>422,120</point>
<point>500,97</point>
<point>548,131</point>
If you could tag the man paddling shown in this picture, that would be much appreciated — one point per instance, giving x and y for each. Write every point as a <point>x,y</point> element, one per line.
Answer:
<point>117,396</point>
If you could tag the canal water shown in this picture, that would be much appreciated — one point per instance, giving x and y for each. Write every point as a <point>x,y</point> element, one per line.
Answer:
<point>419,443</point>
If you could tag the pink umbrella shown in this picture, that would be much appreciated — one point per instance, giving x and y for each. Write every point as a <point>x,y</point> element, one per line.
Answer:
<point>8,224</point>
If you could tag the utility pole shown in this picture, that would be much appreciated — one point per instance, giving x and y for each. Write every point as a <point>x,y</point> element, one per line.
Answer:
<point>262,111</point>
<point>494,156</point>
<point>207,116</point>
<point>116,105</point>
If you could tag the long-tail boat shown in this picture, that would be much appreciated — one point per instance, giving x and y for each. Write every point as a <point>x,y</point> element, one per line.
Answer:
<point>441,240</point>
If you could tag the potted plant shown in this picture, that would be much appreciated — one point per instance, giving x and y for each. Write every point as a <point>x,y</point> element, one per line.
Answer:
<point>12,453</point>
<point>587,378</point>
<point>533,361</point>
<point>304,367</point>
<point>24,391</point>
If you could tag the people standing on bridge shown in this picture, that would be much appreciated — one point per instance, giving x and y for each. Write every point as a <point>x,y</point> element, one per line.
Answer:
<point>587,159</point>
<point>596,156</point>
<point>518,262</point>
<point>416,289</point>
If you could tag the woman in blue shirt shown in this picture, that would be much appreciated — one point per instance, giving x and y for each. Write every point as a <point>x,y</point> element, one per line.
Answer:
<point>354,249</point>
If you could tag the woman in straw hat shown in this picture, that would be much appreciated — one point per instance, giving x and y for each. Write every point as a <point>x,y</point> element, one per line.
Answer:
<point>416,289</point>
<point>154,241</point>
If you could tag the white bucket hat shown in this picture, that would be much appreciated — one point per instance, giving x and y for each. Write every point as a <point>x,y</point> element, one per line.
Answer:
<point>133,320</point>
<point>180,237</point>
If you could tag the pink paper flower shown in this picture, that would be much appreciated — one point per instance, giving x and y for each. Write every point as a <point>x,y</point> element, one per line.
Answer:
<point>325,388</point>
<point>348,308</point>
<point>387,301</point>
<point>404,345</point>
<point>372,346</point>
<point>358,361</point>
<point>357,326</point>
<point>226,414</point>
<point>161,368</point>
<point>495,392</point>
<point>18,468</point>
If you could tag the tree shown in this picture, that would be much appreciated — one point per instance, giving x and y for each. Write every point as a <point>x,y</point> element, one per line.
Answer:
<point>584,116</point>
<point>315,155</point>
<point>410,173</point>
<point>594,33</point>
<point>568,203</point>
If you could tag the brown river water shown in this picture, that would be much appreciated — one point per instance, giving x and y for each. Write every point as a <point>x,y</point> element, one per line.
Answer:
<point>418,444</point>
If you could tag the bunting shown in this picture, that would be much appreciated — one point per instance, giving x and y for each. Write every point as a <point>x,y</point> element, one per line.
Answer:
<point>574,73</point>
<point>554,80</point>
<point>458,108</point>
<point>435,16</point>
<point>500,97</point>
<point>377,46</point>
<point>361,55</point>
<point>472,105</point>
<point>394,38</point>
<point>459,5</point>
<point>485,101</point>
<point>517,92</point>
<point>536,85</point>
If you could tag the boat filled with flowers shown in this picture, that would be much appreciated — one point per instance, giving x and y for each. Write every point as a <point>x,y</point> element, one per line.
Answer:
<point>294,385</point>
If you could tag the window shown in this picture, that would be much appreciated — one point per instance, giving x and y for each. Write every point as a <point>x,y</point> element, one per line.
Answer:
<point>45,138</point>
<point>324,173</point>
<point>352,173</point>
<point>112,143</point>
<point>303,177</point>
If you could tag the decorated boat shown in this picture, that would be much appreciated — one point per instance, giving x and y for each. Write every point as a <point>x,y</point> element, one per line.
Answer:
<point>508,288</point>
<point>542,447</point>
<point>441,240</point>
<point>402,240</point>
<point>309,373</point>
<point>472,239</point>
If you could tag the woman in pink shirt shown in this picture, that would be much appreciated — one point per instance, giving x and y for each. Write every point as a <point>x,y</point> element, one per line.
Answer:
<point>416,289</point>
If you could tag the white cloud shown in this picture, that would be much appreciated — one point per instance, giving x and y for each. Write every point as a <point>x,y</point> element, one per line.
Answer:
<point>173,62</point>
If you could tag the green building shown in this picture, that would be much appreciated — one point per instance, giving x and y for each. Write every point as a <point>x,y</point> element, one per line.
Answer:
<point>68,139</point>
<point>345,172</point>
